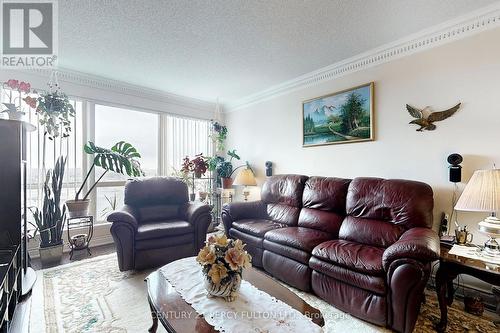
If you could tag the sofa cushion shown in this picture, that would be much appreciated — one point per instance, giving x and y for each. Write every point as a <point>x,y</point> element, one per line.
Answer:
<point>372,283</point>
<point>255,227</point>
<point>157,213</point>
<point>283,196</point>
<point>358,257</point>
<point>323,204</point>
<point>249,240</point>
<point>380,210</point>
<point>297,237</point>
<point>155,191</point>
<point>152,230</point>
<point>287,251</point>
<point>284,189</point>
<point>160,243</point>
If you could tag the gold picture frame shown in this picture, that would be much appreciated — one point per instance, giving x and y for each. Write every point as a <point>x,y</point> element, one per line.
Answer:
<point>345,116</point>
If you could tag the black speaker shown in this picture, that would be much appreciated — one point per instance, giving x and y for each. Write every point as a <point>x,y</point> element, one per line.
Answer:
<point>455,167</point>
<point>269,168</point>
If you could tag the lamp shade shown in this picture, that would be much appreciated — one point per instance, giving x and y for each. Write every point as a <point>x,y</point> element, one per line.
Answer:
<point>245,177</point>
<point>482,193</point>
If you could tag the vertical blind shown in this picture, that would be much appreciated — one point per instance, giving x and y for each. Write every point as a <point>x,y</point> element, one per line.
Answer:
<point>184,137</point>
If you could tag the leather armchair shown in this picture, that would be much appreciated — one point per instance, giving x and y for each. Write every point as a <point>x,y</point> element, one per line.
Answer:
<point>157,224</point>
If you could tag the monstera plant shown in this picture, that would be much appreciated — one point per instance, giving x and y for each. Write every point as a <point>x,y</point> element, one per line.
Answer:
<point>122,158</point>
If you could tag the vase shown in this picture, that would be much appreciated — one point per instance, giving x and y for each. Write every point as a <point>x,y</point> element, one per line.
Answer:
<point>227,183</point>
<point>227,290</point>
<point>78,208</point>
<point>12,112</point>
<point>51,254</point>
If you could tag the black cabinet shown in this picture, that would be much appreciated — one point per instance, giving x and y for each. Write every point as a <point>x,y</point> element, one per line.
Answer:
<point>16,277</point>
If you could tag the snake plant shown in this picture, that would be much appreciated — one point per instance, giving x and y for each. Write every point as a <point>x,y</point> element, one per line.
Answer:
<point>50,219</point>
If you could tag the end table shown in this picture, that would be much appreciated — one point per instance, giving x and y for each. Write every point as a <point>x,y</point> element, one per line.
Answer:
<point>450,266</point>
<point>81,240</point>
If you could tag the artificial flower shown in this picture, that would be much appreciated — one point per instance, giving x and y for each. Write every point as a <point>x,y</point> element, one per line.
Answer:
<point>234,258</point>
<point>12,84</point>
<point>211,239</point>
<point>206,256</point>
<point>238,244</point>
<point>25,87</point>
<point>217,272</point>
<point>30,101</point>
<point>221,240</point>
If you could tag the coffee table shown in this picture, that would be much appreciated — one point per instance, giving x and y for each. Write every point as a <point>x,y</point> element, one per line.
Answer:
<point>177,316</point>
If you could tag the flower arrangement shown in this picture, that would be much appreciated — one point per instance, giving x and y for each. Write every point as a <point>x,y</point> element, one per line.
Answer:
<point>198,165</point>
<point>14,108</point>
<point>223,261</point>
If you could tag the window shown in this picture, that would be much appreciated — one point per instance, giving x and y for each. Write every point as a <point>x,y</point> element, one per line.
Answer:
<point>163,141</point>
<point>185,137</point>
<point>138,128</point>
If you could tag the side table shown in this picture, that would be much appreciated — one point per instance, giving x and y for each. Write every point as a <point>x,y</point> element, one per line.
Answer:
<point>450,266</point>
<point>81,240</point>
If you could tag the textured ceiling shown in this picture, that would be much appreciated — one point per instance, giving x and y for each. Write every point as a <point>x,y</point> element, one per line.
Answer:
<point>232,48</point>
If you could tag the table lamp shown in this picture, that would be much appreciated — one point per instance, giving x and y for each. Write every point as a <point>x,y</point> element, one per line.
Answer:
<point>245,178</point>
<point>482,194</point>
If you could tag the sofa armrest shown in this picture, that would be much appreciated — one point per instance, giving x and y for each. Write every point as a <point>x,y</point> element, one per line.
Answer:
<point>123,229</point>
<point>199,216</point>
<point>421,244</point>
<point>192,210</point>
<point>235,211</point>
<point>124,215</point>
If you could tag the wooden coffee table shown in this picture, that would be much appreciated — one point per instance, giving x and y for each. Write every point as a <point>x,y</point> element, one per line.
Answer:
<point>177,316</point>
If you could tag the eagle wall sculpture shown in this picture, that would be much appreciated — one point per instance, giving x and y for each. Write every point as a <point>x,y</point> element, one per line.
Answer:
<point>426,122</point>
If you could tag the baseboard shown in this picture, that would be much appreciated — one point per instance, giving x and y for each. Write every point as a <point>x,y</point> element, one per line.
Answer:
<point>96,241</point>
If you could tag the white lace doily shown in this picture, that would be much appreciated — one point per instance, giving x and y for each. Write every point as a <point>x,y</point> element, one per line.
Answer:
<point>253,311</point>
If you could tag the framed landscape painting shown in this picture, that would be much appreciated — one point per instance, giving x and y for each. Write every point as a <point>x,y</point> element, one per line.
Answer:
<point>341,117</point>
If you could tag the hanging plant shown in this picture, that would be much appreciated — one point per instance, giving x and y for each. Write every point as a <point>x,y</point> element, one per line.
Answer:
<point>219,135</point>
<point>55,111</point>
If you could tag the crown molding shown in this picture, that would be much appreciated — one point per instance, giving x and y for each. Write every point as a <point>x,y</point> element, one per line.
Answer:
<point>99,82</point>
<point>461,27</point>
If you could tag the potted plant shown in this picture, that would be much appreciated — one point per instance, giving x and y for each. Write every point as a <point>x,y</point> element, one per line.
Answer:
<point>198,165</point>
<point>55,111</point>
<point>15,111</point>
<point>224,168</point>
<point>219,135</point>
<point>121,158</point>
<point>50,219</point>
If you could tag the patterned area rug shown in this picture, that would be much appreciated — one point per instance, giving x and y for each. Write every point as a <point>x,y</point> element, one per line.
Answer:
<point>94,296</point>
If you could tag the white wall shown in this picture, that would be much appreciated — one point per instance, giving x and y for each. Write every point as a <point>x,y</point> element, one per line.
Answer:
<point>466,71</point>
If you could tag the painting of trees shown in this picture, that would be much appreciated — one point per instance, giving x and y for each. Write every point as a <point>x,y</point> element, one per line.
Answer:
<point>345,116</point>
<point>352,112</point>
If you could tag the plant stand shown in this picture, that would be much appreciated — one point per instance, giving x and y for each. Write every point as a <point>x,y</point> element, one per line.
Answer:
<point>81,240</point>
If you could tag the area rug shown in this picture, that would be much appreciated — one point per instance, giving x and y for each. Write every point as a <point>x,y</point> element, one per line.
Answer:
<point>94,296</point>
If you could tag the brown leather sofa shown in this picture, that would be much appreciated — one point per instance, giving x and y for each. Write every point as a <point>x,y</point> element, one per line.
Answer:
<point>363,245</point>
<point>157,224</point>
